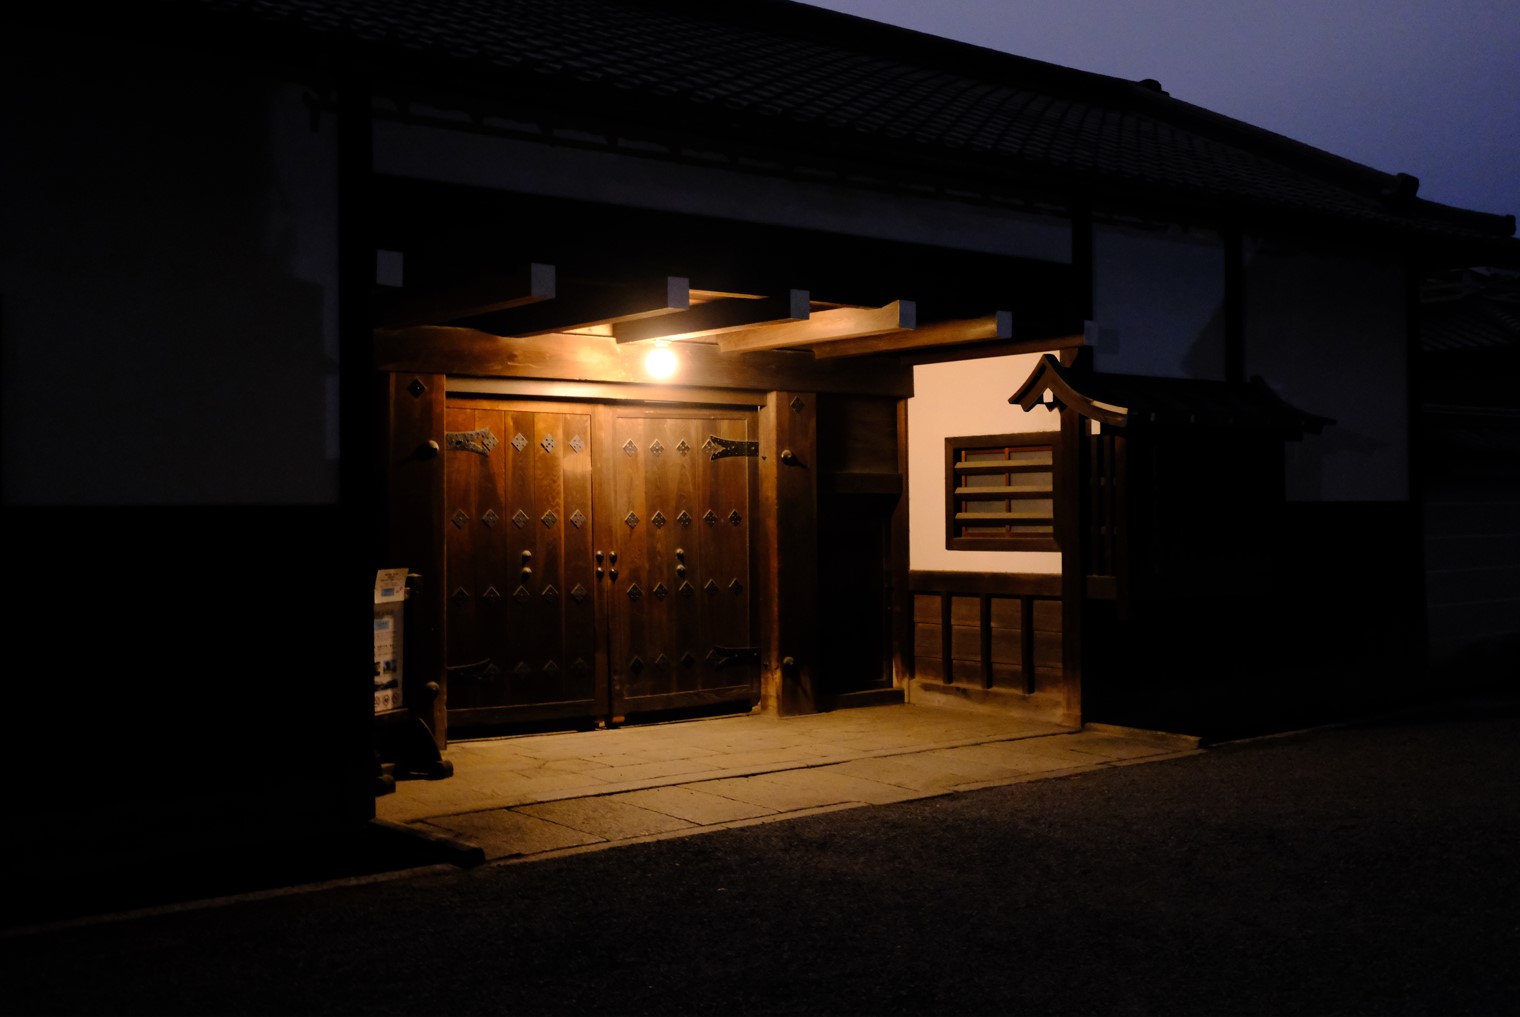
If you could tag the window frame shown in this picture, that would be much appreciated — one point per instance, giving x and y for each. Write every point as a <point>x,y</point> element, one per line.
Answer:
<point>955,446</point>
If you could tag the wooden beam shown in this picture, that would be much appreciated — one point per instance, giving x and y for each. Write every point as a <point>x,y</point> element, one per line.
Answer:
<point>993,348</point>
<point>473,293</point>
<point>717,317</point>
<point>839,323</point>
<point>600,359</point>
<point>579,303</point>
<point>998,325</point>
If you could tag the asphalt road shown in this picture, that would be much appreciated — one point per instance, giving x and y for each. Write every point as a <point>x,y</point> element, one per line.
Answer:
<point>1362,870</point>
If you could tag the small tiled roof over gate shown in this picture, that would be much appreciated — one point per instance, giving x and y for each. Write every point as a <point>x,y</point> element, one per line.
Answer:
<point>859,95</point>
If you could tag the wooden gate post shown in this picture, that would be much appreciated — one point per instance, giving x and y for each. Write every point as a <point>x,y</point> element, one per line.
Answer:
<point>414,499</point>
<point>788,609</point>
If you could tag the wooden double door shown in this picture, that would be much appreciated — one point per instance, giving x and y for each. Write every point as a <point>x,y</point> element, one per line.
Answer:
<point>598,561</point>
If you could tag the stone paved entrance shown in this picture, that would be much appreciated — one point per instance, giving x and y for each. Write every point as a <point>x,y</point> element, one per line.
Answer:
<point>537,796</point>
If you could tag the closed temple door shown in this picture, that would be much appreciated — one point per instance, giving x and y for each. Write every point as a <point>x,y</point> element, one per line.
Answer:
<point>683,488</point>
<point>598,561</point>
<point>522,633</point>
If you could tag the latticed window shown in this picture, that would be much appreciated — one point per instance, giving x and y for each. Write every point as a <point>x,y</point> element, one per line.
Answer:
<point>1000,492</point>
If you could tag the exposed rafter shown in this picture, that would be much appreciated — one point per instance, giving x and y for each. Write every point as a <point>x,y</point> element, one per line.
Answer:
<point>580,303</point>
<point>825,326</point>
<point>998,325</point>
<point>717,317</point>
<point>466,295</point>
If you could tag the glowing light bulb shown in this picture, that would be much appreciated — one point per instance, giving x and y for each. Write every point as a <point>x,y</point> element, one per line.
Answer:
<point>661,362</point>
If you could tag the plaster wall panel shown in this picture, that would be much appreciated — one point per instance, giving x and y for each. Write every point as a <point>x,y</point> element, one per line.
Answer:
<point>1328,333</point>
<point>961,398</point>
<point>1158,300</point>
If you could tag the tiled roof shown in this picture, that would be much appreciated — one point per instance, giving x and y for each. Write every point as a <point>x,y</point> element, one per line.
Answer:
<point>1475,322</point>
<point>773,69</point>
<point>1132,400</point>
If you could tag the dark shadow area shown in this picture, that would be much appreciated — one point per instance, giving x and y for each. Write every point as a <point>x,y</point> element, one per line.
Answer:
<point>96,886</point>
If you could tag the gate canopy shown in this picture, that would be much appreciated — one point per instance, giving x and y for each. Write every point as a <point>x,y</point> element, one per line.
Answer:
<point>645,276</point>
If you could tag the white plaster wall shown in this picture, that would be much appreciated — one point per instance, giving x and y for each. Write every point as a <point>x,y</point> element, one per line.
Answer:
<point>1329,333</point>
<point>475,160</point>
<point>1158,301</point>
<point>960,398</point>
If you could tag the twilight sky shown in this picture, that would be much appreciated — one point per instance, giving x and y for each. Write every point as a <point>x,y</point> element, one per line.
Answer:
<point>1428,87</point>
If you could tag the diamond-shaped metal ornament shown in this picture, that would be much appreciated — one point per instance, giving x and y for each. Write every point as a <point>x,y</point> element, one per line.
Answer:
<point>796,404</point>
<point>631,519</point>
<point>519,442</point>
<point>658,519</point>
<point>684,518</point>
<point>711,586</point>
<point>662,662</point>
<point>735,587</point>
<point>577,519</point>
<point>521,595</point>
<point>550,667</point>
<point>459,518</point>
<point>522,668</point>
<point>490,518</point>
<point>579,666</point>
<point>579,594</point>
<point>549,519</point>
<point>520,518</point>
<point>713,656</point>
<point>629,448</point>
<point>479,441</point>
<point>634,593</point>
<point>660,591</point>
<point>550,594</point>
<point>682,448</point>
<point>577,443</point>
<point>548,443</point>
<point>491,594</point>
<point>709,446</point>
<point>416,388</point>
<point>710,517</point>
<point>686,589</point>
<point>687,660</point>
<point>636,665</point>
<point>460,593</point>
<point>735,518</point>
<point>657,447</point>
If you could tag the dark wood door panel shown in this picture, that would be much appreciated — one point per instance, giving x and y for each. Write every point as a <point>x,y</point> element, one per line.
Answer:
<point>521,618</point>
<point>679,609</point>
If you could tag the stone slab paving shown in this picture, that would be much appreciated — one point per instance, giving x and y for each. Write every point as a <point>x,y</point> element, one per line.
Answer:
<point>503,833</point>
<point>827,782</point>
<point>775,794</point>
<point>693,804</point>
<point>610,817</point>
<point>546,795</point>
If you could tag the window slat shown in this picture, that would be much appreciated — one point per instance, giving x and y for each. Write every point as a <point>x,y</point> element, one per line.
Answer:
<point>1002,466</point>
<point>1004,493</point>
<point>983,518</point>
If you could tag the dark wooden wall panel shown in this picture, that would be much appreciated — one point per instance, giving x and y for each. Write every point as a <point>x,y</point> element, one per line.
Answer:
<point>990,631</point>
